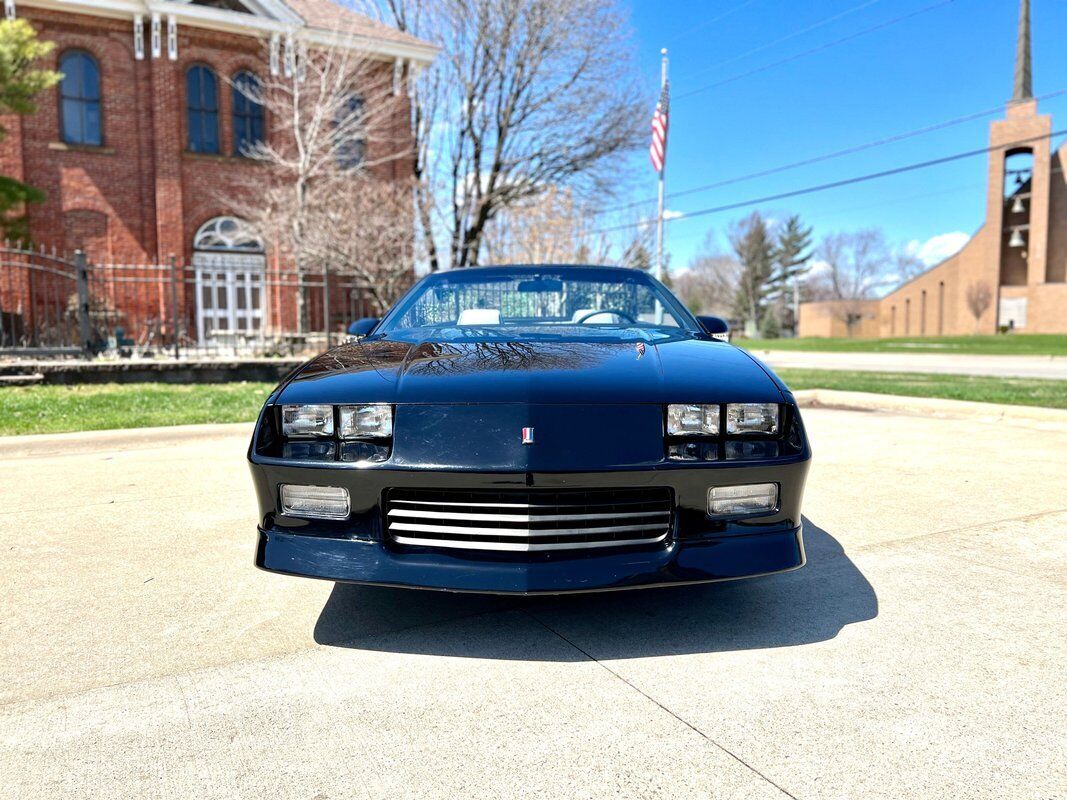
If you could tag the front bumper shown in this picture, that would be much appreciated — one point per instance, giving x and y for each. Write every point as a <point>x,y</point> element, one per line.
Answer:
<point>699,548</point>
<point>721,559</point>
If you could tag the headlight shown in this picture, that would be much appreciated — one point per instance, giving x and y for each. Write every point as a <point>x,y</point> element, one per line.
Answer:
<point>372,421</point>
<point>692,420</point>
<point>307,420</point>
<point>750,498</point>
<point>744,418</point>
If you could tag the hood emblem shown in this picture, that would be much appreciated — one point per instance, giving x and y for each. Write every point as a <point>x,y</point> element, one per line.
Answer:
<point>527,435</point>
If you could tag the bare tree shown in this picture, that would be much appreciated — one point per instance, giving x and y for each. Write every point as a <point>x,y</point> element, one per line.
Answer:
<point>331,112</point>
<point>709,284</point>
<point>856,266</point>
<point>527,94</point>
<point>362,228</point>
<point>554,227</point>
<point>979,298</point>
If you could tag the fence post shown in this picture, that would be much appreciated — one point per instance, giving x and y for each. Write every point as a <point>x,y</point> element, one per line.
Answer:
<point>81,276</point>
<point>174,305</point>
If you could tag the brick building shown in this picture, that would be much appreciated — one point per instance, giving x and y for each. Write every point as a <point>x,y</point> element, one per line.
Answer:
<point>1018,258</point>
<point>137,147</point>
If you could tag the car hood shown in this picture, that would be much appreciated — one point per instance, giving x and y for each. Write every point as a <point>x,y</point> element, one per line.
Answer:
<point>543,372</point>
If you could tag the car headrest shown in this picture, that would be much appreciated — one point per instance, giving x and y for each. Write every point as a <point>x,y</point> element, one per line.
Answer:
<point>595,316</point>
<point>479,316</point>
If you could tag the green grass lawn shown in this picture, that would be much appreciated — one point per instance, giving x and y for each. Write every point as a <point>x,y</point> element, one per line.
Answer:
<point>1012,391</point>
<point>1037,344</point>
<point>59,409</point>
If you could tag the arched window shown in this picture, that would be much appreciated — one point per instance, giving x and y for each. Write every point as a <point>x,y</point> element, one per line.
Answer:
<point>79,104</point>
<point>227,235</point>
<point>247,113</point>
<point>202,109</point>
<point>351,137</point>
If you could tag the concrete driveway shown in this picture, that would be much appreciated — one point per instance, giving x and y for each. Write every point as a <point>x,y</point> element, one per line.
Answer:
<point>921,653</point>
<point>1041,367</point>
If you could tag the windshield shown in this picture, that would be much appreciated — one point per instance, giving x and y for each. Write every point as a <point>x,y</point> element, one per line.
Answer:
<point>549,302</point>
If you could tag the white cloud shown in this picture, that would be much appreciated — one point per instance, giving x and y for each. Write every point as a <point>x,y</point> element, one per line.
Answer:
<point>937,248</point>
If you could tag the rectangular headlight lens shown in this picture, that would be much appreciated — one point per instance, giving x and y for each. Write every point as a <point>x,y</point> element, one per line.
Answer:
<point>749,498</point>
<point>307,420</point>
<point>372,421</point>
<point>692,420</point>
<point>751,418</point>
<point>319,502</point>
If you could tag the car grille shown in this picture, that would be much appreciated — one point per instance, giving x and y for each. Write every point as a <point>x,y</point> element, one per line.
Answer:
<point>528,520</point>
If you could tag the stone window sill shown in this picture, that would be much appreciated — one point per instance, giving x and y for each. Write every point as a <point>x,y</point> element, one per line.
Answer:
<point>218,158</point>
<point>81,148</point>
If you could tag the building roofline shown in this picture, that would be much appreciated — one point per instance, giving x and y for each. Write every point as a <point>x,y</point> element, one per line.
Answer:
<point>286,23</point>
<point>932,267</point>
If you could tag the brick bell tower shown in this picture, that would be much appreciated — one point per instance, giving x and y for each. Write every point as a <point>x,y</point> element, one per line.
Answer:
<point>1017,216</point>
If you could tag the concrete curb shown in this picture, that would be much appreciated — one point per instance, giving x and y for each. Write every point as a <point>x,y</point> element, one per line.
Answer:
<point>55,444</point>
<point>1054,419</point>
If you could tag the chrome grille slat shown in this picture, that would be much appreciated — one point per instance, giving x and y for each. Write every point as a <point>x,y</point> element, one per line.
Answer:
<point>413,512</point>
<point>498,505</point>
<point>526,520</point>
<point>525,532</point>
<point>524,547</point>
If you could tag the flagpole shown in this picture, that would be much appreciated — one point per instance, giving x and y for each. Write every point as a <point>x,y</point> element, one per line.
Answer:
<point>663,169</point>
<point>659,214</point>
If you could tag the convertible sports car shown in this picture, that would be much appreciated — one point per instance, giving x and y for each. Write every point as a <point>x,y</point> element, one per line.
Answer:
<point>531,429</point>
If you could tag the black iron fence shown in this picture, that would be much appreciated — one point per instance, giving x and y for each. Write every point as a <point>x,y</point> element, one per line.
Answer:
<point>220,305</point>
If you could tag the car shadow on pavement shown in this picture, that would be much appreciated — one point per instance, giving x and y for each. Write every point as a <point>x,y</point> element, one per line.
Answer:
<point>808,605</point>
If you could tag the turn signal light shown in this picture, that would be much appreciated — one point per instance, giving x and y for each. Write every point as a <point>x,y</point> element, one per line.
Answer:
<point>748,498</point>
<point>315,502</point>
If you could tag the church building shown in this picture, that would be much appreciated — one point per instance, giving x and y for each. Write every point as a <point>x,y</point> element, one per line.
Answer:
<point>1012,274</point>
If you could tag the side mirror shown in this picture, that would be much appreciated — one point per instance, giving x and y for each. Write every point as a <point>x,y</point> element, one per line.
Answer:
<point>361,327</point>
<point>715,327</point>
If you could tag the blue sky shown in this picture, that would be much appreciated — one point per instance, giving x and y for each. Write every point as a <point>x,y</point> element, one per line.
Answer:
<point>951,61</point>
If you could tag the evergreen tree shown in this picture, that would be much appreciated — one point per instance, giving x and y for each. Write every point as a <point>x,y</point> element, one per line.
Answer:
<point>21,80</point>
<point>755,248</point>
<point>637,255</point>
<point>792,254</point>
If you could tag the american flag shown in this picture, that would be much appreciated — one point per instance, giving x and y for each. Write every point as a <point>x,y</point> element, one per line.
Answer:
<point>660,124</point>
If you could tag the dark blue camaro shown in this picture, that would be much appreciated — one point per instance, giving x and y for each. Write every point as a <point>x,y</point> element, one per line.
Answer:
<point>531,429</point>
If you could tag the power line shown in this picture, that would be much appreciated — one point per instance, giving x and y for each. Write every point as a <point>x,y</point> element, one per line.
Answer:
<point>821,48</point>
<point>788,37</point>
<point>847,151</point>
<point>822,187</point>
<point>693,29</point>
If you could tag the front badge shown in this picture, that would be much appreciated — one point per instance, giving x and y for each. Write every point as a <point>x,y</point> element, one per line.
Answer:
<point>527,435</point>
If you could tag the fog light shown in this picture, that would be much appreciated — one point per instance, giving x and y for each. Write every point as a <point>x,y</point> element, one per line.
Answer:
<point>751,418</point>
<point>692,420</point>
<point>307,420</point>
<point>372,421</point>
<point>319,502</point>
<point>749,498</point>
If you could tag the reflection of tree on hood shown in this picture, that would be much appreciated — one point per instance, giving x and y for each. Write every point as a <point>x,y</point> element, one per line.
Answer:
<point>442,358</point>
<point>464,358</point>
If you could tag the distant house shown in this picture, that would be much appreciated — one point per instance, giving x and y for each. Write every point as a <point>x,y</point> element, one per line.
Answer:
<point>144,135</point>
<point>1016,262</point>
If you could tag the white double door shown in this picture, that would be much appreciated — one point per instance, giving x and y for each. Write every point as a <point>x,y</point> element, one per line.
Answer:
<point>229,295</point>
